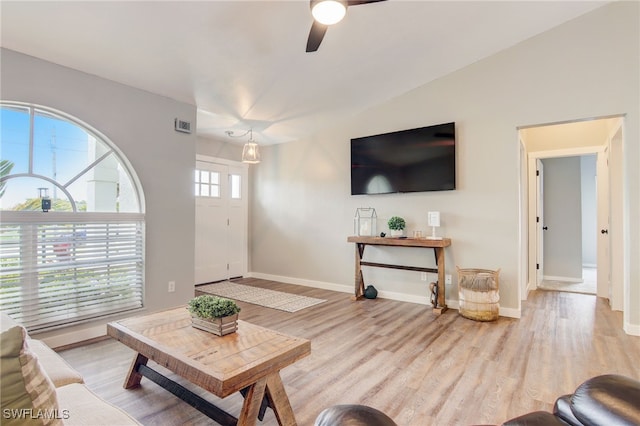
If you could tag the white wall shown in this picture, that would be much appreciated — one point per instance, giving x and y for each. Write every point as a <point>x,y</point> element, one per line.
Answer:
<point>140,124</point>
<point>563,218</point>
<point>219,149</point>
<point>585,68</point>
<point>567,136</point>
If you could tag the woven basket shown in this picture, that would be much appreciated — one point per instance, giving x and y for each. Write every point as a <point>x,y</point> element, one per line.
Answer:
<point>478,294</point>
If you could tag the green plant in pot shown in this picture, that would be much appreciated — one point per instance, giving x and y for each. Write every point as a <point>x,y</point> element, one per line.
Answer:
<point>214,314</point>
<point>396,226</point>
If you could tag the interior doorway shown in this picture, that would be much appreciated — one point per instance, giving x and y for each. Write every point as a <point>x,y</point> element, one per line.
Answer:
<point>567,214</point>
<point>573,142</point>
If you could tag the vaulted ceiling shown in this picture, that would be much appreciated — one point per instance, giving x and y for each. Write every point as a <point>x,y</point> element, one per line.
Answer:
<point>244,65</point>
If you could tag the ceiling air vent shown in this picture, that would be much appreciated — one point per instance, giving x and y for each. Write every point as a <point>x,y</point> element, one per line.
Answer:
<point>182,126</point>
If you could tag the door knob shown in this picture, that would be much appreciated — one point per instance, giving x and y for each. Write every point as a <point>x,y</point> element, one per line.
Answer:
<point>604,231</point>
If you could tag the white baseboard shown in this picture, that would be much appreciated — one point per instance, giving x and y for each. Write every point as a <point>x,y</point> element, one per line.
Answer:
<point>303,282</point>
<point>391,295</point>
<point>631,329</point>
<point>75,336</point>
<point>530,287</point>
<point>563,279</point>
<point>401,297</point>
<point>510,312</point>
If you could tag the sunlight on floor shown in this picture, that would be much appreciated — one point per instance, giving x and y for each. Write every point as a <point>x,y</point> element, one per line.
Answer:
<point>588,284</point>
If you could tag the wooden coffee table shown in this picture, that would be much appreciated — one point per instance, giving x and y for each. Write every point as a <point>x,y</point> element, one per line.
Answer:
<point>247,361</point>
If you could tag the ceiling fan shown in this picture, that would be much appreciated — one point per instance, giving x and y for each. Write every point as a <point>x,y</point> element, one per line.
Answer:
<point>325,13</point>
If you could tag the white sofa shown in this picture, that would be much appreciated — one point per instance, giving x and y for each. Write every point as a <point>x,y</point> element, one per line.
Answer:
<point>39,387</point>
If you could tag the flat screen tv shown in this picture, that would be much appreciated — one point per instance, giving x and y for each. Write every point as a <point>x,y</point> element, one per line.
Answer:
<point>414,160</point>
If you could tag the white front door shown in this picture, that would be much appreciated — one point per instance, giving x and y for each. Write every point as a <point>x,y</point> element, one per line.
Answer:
<point>237,244</point>
<point>220,222</point>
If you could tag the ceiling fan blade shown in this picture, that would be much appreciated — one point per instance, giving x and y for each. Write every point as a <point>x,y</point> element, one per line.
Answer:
<point>358,2</point>
<point>315,36</point>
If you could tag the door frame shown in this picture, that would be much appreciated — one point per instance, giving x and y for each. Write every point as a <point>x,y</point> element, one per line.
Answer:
<point>244,264</point>
<point>533,158</point>
<point>618,254</point>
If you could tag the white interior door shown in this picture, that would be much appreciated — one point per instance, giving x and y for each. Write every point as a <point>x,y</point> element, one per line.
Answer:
<point>540,228</point>
<point>604,251</point>
<point>221,221</point>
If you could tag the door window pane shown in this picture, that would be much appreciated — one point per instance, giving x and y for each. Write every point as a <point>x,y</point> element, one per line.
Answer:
<point>236,189</point>
<point>207,183</point>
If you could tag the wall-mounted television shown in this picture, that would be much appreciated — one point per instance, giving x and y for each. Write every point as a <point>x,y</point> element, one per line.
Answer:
<point>414,160</point>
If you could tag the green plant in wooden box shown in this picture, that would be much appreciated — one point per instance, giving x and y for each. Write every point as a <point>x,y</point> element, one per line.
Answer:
<point>214,314</point>
<point>207,306</point>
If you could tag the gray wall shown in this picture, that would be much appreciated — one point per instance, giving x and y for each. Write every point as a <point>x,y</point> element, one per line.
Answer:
<point>563,218</point>
<point>141,126</point>
<point>302,211</point>
<point>589,211</point>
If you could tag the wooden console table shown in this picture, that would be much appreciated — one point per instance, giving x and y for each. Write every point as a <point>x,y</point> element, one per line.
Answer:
<point>438,250</point>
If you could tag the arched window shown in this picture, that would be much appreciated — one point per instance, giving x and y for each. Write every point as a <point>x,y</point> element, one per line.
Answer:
<point>72,221</point>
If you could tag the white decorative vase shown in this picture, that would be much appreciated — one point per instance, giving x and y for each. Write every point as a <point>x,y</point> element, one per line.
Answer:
<point>396,232</point>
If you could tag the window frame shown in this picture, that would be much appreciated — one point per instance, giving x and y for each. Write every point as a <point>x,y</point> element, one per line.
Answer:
<point>33,219</point>
<point>112,150</point>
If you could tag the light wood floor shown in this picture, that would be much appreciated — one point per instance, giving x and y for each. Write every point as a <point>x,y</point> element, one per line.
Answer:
<point>398,357</point>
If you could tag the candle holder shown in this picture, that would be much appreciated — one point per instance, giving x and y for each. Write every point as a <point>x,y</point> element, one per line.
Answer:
<point>365,221</point>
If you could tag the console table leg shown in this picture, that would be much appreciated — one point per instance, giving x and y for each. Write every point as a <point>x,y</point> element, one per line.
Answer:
<point>359,279</point>
<point>439,252</point>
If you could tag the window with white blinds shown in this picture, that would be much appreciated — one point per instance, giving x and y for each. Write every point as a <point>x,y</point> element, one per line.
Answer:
<point>57,273</point>
<point>53,274</point>
<point>71,221</point>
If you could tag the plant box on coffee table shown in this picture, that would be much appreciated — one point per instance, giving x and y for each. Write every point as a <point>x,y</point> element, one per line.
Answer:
<point>217,326</point>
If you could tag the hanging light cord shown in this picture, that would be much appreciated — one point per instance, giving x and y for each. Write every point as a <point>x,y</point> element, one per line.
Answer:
<point>248,132</point>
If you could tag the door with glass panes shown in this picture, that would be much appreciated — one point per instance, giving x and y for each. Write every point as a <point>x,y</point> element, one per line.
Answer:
<point>221,220</point>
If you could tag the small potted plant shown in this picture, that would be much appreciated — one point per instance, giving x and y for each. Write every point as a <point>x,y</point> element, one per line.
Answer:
<point>396,226</point>
<point>214,314</point>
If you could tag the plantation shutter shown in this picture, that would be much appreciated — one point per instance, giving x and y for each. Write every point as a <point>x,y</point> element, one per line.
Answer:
<point>61,272</point>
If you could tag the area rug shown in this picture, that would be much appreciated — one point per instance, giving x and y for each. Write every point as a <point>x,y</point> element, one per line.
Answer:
<point>259,296</point>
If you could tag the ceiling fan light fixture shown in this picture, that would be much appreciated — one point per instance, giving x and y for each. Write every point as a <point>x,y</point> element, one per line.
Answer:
<point>328,12</point>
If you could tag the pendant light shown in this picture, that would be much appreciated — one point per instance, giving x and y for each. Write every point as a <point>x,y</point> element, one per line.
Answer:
<point>251,150</point>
